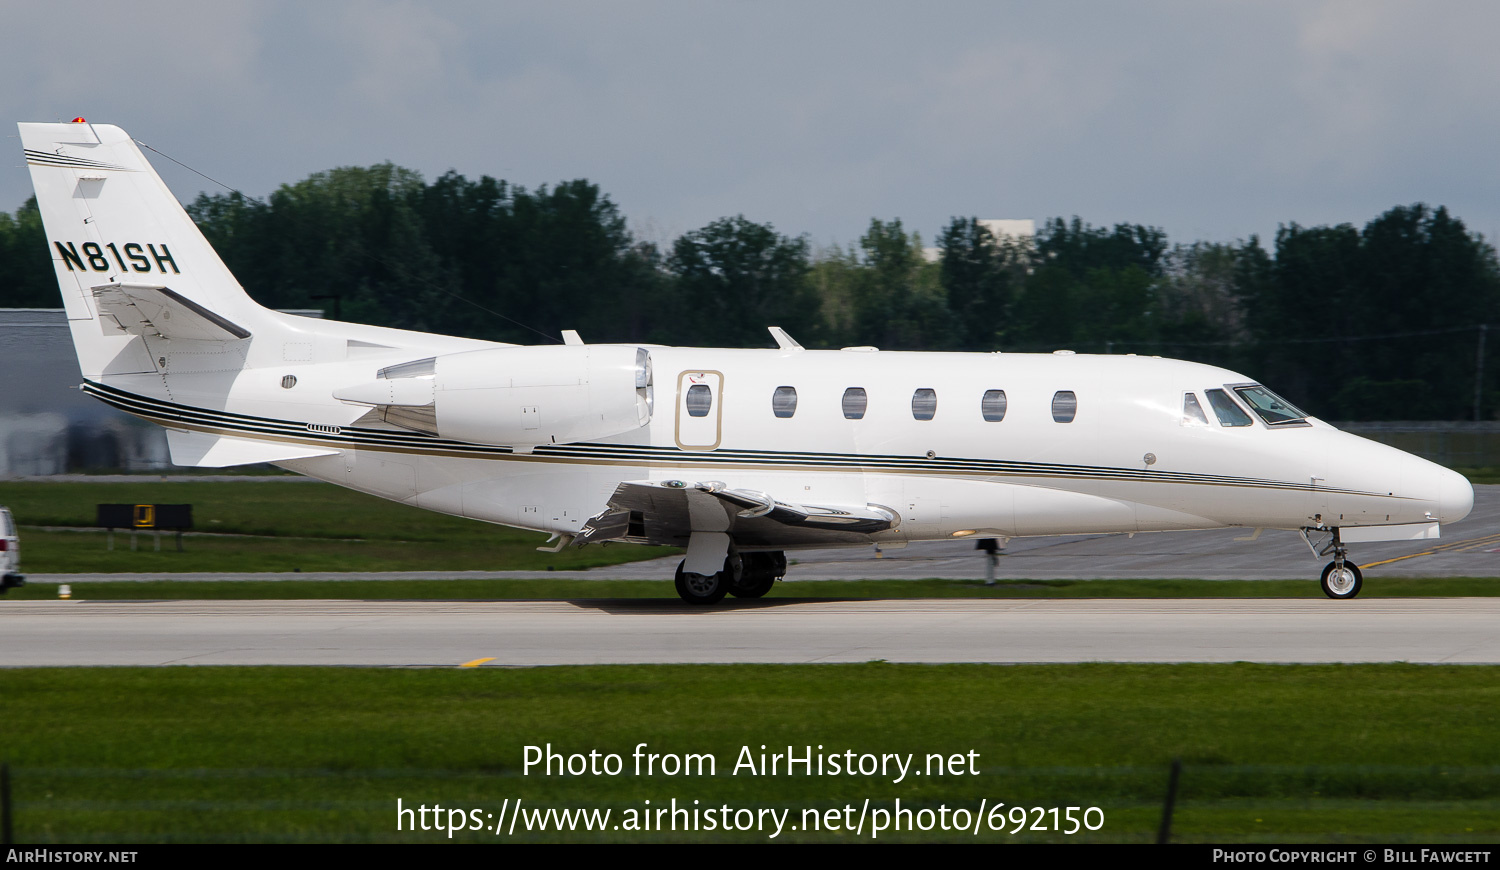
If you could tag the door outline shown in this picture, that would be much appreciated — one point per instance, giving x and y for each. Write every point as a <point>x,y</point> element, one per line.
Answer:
<point>718,409</point>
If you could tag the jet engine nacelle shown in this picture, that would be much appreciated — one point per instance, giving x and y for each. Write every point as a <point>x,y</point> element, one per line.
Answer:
<point>516,396</point>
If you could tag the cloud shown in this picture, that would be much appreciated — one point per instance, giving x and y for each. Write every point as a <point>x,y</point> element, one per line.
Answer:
<point>1212,120</point>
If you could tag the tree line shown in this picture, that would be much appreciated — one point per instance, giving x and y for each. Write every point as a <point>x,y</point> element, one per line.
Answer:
<point>1371,323</point>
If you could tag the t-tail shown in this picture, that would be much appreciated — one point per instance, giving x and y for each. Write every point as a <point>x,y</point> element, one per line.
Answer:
<point>161,327</point>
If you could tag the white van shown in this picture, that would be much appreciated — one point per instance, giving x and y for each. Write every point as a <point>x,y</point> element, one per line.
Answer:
<point>10,553</point>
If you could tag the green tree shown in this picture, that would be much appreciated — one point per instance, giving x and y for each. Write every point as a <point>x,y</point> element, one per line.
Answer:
<point>835,277</point>
<point>898,300</point>
<point>30,281</point>
<point>980,275</point>
<point>735,277</point>
<point>1092,288</point>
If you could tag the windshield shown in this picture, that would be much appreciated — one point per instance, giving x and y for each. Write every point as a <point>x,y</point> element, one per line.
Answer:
<point>1226,410</point>
<point>1271,407</point>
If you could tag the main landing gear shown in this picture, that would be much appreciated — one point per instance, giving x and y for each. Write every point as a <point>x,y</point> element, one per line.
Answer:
<point>1341,578</point>
<point>747,575</point>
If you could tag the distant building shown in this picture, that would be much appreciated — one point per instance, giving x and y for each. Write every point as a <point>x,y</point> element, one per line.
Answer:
<point>999,228</point>
<point>47,426</point>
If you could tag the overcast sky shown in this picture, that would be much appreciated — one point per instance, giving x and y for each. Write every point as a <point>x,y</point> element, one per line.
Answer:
<point>1211,120</point>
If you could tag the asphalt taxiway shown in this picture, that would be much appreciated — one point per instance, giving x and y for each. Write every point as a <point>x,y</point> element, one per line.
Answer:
<point>1470,548</point>
<point>521,633</point>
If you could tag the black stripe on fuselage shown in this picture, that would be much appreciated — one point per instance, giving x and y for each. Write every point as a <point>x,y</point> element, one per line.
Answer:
<point>266,428</point>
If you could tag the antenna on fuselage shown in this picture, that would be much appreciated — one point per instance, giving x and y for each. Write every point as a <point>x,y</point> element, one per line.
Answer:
<point>784,341</point>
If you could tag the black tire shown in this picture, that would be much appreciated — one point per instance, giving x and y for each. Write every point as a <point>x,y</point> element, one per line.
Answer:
<point>1341,587</point>
<point>754,589</point>
<point>759,573</point>
<point>700,588</point>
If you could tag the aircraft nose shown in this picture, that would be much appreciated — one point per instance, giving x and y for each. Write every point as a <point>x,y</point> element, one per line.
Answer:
<point>1456,497</point>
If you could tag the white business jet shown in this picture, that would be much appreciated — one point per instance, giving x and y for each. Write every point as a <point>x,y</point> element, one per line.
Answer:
<point>737,455</point>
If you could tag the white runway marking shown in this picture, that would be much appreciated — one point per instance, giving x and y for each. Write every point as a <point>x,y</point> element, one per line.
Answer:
<point>453,633</point>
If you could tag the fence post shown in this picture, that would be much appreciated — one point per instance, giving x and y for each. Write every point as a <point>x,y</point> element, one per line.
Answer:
<point>1164,833</point>
<point>1484,329</point>
<point>7,835</point>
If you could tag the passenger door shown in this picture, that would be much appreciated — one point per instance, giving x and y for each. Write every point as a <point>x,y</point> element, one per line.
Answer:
<point>700,410</point>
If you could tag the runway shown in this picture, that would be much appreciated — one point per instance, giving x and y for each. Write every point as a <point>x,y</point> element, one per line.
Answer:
<point>521,633</point>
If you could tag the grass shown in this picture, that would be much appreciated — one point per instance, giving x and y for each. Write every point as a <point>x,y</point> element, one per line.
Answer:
<point>1480,474</point>
<point>1284,753</point>
<point>276,526</point>
<point>1394,587</point>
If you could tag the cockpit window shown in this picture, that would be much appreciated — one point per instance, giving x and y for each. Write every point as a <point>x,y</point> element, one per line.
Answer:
<point>1272,408</point>
<point>1226,410</point>
<point>1192,412</point>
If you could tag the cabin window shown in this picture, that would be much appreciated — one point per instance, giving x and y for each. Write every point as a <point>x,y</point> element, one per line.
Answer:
<point>855,403</point>
<point>699,399</point>
<point>992,406</point>
<point>1064,406</point>
<point>1192,412</point>
<point>1272,408</point>
<point>924,404</point>
<point>1226,410</point>
<point>784,401</point>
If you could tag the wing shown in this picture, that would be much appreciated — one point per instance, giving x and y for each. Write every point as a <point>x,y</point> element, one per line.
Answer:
<point>667,512</point>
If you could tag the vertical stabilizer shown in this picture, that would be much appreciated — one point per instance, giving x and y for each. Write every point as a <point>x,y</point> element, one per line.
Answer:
<point>112,222</point>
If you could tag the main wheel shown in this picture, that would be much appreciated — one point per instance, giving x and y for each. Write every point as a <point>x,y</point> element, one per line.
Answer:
<point>1342,583</point>
<point>753,588</point>
<point>700,588</point>
<point>760,573</point>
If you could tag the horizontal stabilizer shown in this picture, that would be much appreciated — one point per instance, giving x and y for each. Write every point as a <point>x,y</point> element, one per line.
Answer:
<point>145,309</point>
<point>205,450</point>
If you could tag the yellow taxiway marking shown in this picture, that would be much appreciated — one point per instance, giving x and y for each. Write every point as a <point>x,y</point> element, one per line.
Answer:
<point>476,663</point>
<point>1461,546</point>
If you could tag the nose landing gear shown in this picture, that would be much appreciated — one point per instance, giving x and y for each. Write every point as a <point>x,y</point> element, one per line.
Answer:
<point>1341,578</point>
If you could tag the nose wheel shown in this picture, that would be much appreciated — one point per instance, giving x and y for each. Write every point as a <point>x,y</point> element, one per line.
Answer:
<point>1342,579</point>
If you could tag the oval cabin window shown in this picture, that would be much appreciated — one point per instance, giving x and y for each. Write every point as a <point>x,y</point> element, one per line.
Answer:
<point>924,404</point>
<point>993,406</point>
<point>855,403</point>
<point>699,399</point>
<point>1064,406</point>
<point>784,401</point>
